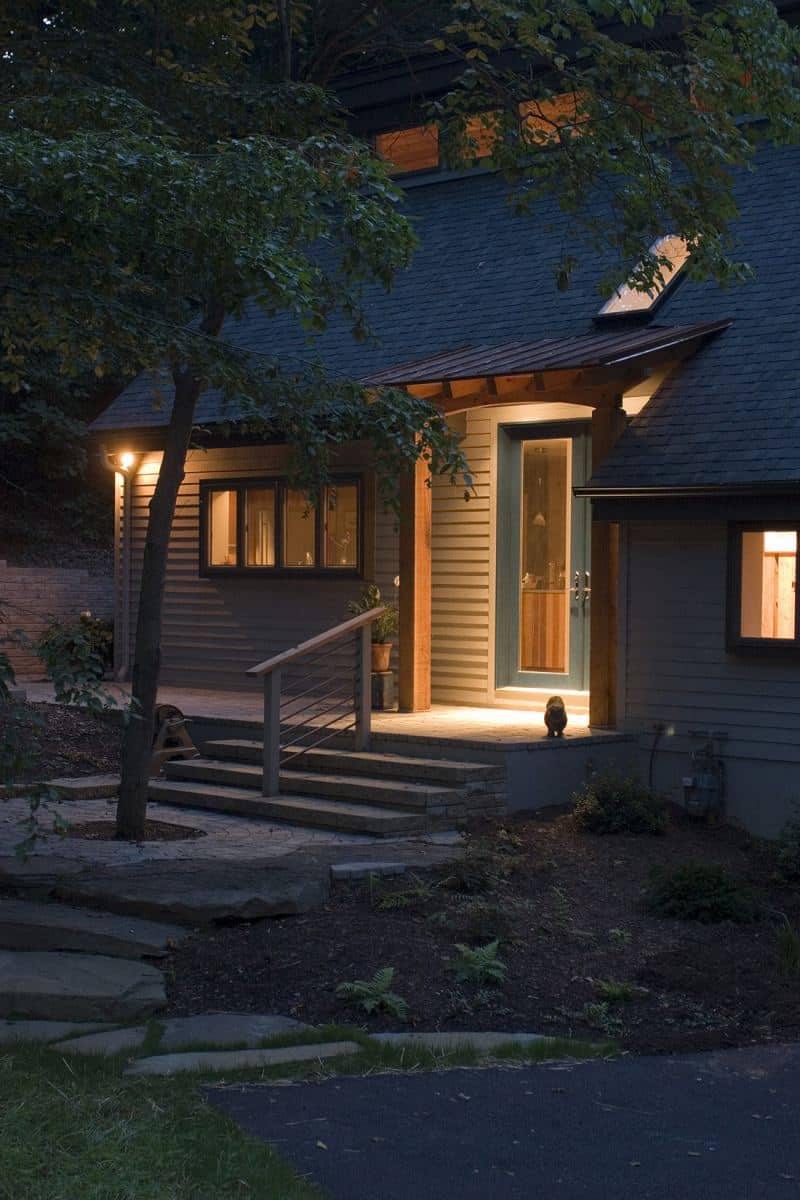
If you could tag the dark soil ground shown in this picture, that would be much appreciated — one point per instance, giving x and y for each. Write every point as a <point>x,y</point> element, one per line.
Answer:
<point>53,740</point>
<point>568,908</point>
<point>154,831</point>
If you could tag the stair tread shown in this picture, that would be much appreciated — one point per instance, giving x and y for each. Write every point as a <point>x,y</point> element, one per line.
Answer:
<point>365,756</point>
<point>194,767</point>
<point>190,787</point>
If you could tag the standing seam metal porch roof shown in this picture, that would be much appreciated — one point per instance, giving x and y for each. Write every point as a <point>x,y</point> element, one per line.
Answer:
<point>546,354</point>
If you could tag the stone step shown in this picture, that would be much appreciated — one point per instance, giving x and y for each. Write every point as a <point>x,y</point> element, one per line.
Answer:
<point>308,810</point>
<point>396,793</point>
<point>29,926</point>
<point>357,762</point>
<point>59,986</point>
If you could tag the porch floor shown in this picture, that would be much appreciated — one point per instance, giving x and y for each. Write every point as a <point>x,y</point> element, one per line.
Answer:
<point>443,723</point>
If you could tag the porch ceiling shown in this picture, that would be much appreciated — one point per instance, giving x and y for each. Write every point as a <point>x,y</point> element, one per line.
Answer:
<point>586,369</point>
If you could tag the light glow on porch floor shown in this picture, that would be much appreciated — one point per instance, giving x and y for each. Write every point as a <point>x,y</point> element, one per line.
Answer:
<point>445,722</point>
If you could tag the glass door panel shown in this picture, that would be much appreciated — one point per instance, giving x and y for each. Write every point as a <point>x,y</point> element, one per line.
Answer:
<point>543,543</point>
<point>545,555</point>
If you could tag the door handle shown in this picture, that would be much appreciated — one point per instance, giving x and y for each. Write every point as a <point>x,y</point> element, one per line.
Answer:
<point>587,585</point>
<point>576,585</point>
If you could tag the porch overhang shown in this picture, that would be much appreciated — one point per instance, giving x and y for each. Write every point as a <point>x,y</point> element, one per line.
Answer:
<point>592,369</point>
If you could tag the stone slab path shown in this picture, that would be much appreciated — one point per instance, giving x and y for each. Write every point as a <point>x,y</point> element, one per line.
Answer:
<point>239,1060</point>
<point>45,1031</point>
<point>25,925</point>
<point>483,1042</point>
<point>78,987</point>
<point>197,893</point>
<point>218,1030</point>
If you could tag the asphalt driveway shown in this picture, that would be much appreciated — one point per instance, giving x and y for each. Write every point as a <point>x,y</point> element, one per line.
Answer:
<point>720,1126</point>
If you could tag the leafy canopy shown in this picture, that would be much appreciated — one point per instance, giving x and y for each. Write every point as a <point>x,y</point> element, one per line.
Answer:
<point>156,180</point>
<point>665,99</point>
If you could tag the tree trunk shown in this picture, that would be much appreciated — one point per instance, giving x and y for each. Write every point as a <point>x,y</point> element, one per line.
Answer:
<point>138,737</point>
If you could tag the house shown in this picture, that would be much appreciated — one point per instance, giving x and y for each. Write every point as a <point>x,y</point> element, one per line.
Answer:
<point>632,538</point>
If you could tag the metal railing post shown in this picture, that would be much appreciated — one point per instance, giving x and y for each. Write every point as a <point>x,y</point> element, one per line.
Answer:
<point>363,687</point>
<point>272,733</point>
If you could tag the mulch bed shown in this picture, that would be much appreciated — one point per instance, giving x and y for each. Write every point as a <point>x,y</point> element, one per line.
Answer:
<point>62,741</point>
<point>572,915</point>
<point>154,831</point>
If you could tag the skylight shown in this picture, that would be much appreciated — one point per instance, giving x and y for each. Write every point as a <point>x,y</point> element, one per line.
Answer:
<point>627,299</point>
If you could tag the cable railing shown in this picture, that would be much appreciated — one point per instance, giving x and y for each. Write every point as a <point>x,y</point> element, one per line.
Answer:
<point>317,691</point>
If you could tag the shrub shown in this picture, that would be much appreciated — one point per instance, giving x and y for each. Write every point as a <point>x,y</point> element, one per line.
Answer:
<point>76,655</point>
<point>479,869</point>
<point>613,803</point>
<point>787,849</point>
<point>375,995</point>
<point>789,950</point>
<point>479,965</point>
<point>700,892</point>
<point>477,919</point>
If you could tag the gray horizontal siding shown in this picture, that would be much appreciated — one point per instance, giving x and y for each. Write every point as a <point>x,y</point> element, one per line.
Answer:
<point>677,669</point>
<point>214,629</point>
<point>461,539</point>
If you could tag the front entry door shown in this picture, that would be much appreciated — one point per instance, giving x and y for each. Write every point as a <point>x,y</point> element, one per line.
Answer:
<point>543,541</point>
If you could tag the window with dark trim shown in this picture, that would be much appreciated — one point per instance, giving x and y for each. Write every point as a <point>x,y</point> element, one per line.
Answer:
<point>762,606</point>
<point>255,526</point>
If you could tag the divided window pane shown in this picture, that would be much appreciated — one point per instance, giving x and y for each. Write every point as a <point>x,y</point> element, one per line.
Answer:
<point>260,527</point>
<point>341,525</point>
<point>265,525</point>
<point>299,530</point>
<point>222,526</point>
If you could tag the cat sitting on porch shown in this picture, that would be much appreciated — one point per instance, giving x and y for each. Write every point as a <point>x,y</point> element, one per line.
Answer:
<point>555,717</point>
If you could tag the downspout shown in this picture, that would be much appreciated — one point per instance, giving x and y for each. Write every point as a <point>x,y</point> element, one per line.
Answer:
<point>122,560</point>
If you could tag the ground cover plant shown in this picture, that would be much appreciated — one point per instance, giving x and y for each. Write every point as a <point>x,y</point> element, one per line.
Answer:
<point>584,956</point>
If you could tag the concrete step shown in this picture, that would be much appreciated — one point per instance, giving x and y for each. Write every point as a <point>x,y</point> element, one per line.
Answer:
<point>308,810</point>
<point>450,772</point>
<point>28,926</point>
<point>396,793</point>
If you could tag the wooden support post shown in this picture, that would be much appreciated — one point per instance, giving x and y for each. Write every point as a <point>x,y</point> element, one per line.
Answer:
<point>363,687</point>
<point>272,733</point>
<point>415,590</point>
<point>607,426</point>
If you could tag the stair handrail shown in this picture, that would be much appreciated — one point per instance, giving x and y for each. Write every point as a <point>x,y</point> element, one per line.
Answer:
<point>270,672</point>
<point>317,642</point>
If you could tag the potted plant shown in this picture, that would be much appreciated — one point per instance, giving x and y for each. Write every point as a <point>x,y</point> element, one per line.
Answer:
<point>384,627</point>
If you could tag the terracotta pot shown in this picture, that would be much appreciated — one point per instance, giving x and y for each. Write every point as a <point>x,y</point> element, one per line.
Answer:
<point>381,653</point>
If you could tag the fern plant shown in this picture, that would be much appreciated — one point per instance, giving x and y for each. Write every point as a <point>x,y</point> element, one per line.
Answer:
<point>375,995</point>
<point>479,964</point>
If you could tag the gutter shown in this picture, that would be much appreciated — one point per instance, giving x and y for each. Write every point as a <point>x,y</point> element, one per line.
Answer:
<point>790,488</point>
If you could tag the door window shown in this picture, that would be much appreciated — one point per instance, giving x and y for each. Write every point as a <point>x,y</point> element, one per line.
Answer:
<point>545,555</point>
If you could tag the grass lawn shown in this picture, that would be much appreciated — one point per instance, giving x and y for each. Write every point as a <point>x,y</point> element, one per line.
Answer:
<point>77,1129</point>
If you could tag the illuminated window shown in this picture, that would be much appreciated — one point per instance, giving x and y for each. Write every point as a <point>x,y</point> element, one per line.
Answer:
<point>299,531</point>
<point>629,299</point>
<point>264,525</point>
<point>764,569</point>
<point>222,528</point>
<point>260,527</point>
<point>547,121</point>
<point>415,149</point>
<point>341,525</point>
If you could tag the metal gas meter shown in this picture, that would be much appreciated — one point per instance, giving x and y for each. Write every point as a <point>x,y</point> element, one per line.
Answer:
<point>704,787</point>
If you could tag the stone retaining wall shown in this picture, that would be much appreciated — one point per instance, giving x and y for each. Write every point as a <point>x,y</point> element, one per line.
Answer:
<point>32,597</point>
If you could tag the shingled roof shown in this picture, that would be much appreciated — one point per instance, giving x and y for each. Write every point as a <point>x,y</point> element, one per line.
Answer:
<point>484,277</point>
